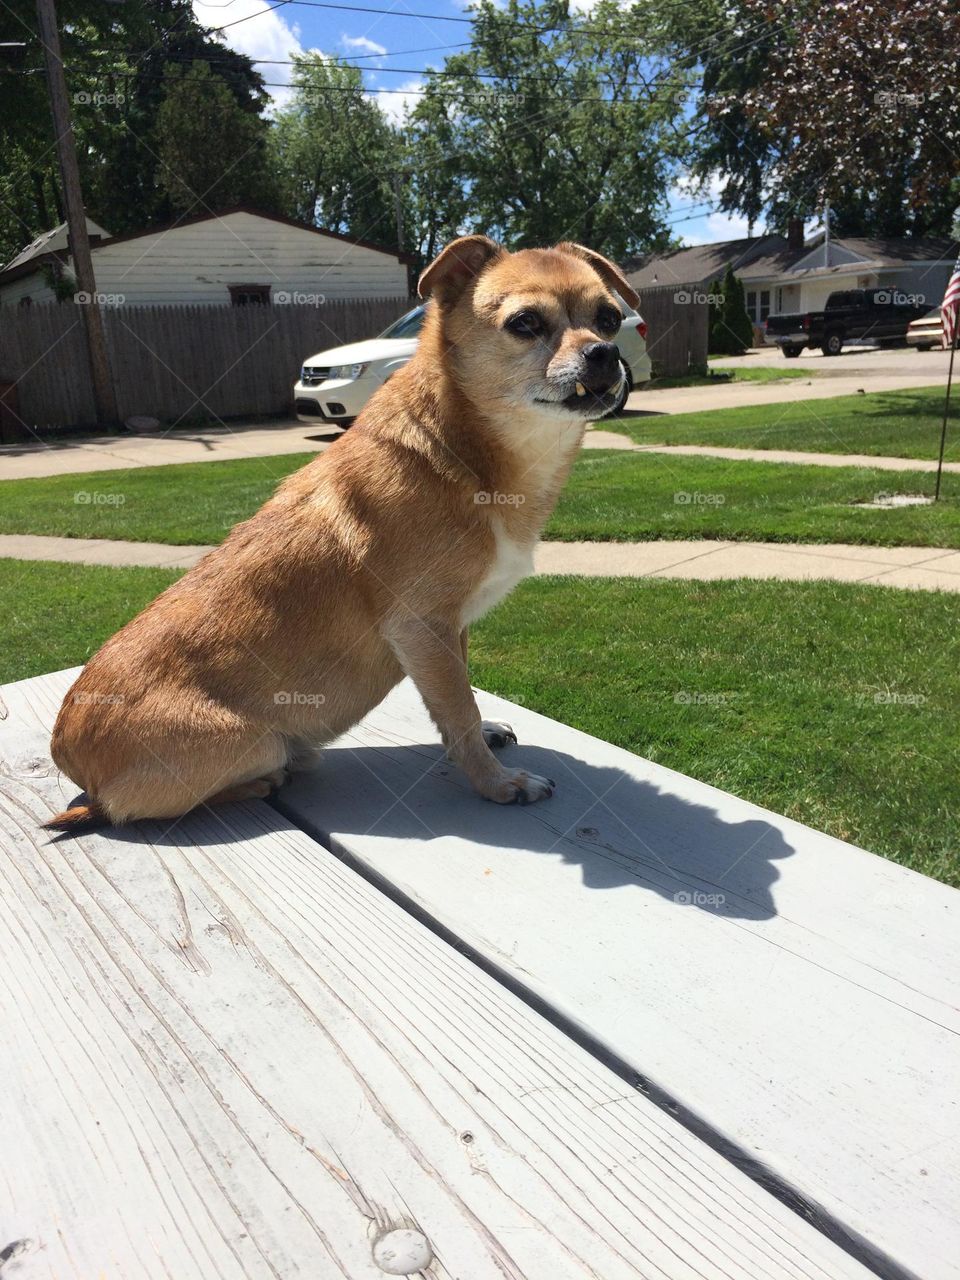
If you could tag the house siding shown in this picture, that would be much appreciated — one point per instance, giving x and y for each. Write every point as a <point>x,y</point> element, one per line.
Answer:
<point>33,286</point>
<point>197,263</point>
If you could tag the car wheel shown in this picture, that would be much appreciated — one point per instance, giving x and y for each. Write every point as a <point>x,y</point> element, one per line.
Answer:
<point>833,344</point>
<point>791,352</point>
<point>924,346</point>
<point>616,409</point>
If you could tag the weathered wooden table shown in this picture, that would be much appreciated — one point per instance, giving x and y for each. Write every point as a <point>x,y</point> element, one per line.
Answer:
<point>642,1029</point>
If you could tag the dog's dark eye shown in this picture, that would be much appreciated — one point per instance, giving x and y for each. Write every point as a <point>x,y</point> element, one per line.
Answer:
<point>608,320</point>
<point>527,324</point>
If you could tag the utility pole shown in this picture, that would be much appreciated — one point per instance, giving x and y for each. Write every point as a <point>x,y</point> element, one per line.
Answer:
<point>398,202</point>
<point>77,240</point>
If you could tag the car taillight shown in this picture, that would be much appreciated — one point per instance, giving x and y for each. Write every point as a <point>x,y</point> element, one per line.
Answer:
<point>805,322</point>
<point>642,329</point>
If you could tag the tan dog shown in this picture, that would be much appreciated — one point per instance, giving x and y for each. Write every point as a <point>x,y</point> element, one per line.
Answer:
<point>369,563</point>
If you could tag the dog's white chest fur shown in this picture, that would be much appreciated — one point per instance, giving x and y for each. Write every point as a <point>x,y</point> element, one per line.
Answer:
<point>512,561</point>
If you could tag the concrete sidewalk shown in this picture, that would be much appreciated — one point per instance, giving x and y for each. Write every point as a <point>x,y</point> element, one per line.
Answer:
<point>916,568</point>
<point>787,455</point>
<point>116,453</point>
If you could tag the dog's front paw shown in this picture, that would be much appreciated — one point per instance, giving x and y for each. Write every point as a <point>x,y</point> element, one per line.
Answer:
<point>519,787</point>
<point>497,734</point>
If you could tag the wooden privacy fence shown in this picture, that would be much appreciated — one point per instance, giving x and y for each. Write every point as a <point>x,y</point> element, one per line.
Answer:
<point>176,363</point>
<point>677,327</point>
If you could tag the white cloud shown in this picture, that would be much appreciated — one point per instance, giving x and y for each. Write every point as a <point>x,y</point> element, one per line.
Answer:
<point>396,105</point>
<point>263,35</point>
<point>726,226</point>
<point>362,45</point>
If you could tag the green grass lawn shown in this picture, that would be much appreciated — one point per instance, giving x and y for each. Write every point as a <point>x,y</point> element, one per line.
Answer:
<point>619,496</point>
<point>56,615</point>
<point>192,502</point>
<point>611,495</point>
<point>831,703</point>
<point>717,377</point>
<point>898,424</point>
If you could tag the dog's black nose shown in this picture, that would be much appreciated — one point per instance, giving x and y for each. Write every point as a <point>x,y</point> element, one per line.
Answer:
<point>601,365</point>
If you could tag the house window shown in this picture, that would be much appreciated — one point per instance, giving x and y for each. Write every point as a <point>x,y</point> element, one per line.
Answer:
<point>752,304</point>
<point>764,305</point>
<point>249,295</point>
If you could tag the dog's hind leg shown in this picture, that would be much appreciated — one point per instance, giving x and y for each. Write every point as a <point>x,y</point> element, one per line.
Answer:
<point>253,789</point>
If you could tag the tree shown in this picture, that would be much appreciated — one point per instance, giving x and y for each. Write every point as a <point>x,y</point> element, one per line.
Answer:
<point>731,332</point>
<point>117,59</point>
<point>335,154</point>
<point>211,153</point>
<point>558,130</point>
<point>435,193</point>
<point>805,102</point>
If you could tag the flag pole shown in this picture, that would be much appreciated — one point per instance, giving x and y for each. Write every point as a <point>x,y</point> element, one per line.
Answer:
<point>946,410</point>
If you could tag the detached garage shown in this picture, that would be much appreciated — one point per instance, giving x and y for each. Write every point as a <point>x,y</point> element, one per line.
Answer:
<point>240,257</point>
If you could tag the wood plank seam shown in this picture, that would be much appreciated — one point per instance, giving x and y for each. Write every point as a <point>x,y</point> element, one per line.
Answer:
<point>852,1243</point>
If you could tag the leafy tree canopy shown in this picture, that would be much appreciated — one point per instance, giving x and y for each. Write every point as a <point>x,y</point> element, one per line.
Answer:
<point>851,102</point>
<point>118,60</point>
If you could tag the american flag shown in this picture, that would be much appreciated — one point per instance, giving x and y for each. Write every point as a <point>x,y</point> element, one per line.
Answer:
<point>949,307</point>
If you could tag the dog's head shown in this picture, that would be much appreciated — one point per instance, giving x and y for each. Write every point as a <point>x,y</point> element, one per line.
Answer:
<point>536,329</point>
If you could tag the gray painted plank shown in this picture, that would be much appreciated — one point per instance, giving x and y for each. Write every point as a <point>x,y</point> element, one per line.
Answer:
<point>798,996</point>
<point>228,1056</point>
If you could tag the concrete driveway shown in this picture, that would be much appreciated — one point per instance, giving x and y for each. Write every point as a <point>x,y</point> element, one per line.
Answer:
<point>855,369</point>
<point>902,362</point>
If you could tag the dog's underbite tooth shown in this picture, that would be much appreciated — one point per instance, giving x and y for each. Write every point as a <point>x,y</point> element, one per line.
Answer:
<point>581,389</point>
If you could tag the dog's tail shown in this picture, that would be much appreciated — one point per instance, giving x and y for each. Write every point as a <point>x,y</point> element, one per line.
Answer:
<point>78,819</point>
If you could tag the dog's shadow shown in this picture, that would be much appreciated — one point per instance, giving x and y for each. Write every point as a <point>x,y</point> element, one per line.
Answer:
<point>620,829</point>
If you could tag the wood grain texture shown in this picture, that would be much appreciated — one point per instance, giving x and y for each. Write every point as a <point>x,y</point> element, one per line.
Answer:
<point>796,995</point>
<point>227,1056</point>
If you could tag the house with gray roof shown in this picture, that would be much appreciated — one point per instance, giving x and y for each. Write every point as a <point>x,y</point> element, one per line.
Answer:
<point>786,273</point>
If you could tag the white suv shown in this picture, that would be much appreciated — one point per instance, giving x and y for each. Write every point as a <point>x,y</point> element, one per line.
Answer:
<point>334,385</point>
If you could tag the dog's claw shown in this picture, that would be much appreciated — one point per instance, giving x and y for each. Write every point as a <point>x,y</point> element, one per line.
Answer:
<point>497,734</point>
<point>532,789</point>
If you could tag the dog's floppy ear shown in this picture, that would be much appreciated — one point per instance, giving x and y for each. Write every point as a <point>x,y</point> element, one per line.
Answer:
<point>605,269</point>
<point>459,263</point>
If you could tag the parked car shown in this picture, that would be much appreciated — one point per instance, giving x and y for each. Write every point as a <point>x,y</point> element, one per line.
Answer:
<point>334,385</point>
<point>927,332</point>
<point>877,315</point>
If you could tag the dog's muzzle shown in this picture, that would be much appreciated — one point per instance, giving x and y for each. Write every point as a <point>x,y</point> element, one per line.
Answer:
<point>600,362</point>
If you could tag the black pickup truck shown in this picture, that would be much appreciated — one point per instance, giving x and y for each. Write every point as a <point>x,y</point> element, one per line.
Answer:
<point>880,315</point>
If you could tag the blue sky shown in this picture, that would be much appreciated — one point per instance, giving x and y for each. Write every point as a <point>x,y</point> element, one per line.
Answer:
<point>395,50</point>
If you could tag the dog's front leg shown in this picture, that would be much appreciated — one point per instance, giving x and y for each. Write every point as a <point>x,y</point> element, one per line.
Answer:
<point>496,733</point>
<point>432,653</point>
